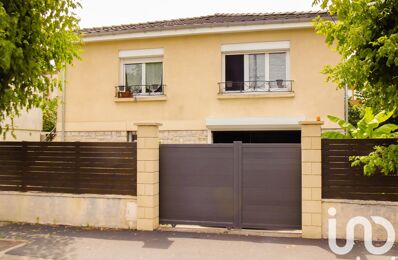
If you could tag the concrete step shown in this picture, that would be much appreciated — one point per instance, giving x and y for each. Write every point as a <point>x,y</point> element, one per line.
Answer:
<point>241,232</point>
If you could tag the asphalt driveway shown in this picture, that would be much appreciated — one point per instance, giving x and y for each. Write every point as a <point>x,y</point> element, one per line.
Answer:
<point>48,242</point>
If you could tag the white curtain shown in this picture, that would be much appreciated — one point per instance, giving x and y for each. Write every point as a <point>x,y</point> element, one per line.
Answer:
<point>277,66</point>
<point>153,73</point>
<point>256,70</point>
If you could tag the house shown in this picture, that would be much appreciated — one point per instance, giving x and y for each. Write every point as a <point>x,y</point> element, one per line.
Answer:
<point>27,126</point>
<point>217,78</point>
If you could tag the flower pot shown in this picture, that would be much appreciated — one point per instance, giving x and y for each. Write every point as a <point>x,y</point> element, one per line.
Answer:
<point>279,83</point>
<point>126,94</point>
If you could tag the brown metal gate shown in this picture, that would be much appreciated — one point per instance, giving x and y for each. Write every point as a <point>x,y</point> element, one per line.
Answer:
<point>231,185</point>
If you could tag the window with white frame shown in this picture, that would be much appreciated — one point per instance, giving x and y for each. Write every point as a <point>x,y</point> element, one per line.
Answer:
<point>143,76</point>
<point>141,73</point>
<point>251,67</point>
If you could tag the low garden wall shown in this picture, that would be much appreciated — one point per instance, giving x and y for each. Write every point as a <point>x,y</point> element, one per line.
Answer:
<point>347,209</point>
<point>352,194</point>
<point>88,210</point>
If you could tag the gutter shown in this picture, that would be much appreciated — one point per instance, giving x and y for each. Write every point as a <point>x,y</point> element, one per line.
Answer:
<point>87,32</point>
<point>181,31</point>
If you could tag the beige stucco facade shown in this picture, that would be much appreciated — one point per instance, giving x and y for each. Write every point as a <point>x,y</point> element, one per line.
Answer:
<point>192,68</point>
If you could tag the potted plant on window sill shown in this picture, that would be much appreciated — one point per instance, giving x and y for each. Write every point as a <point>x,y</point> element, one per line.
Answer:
<point>124,92</point>
<point>279,83</point>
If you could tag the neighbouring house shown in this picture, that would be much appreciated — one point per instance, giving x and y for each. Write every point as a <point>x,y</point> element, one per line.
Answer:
<point>217,78</point>
<point>27,127</point>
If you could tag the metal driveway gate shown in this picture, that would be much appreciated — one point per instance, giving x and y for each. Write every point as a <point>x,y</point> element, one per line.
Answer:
<point>231,185</point>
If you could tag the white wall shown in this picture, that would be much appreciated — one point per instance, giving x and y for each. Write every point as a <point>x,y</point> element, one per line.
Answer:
<point>27,127</point>
<point>346,209</point>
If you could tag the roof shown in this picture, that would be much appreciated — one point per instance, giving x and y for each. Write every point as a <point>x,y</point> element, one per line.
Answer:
<point>208,21</point>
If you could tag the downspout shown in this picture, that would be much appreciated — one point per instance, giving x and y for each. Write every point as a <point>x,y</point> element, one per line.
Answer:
<point>346,106</point>
<point>63,104</point>
<point>345,103</point>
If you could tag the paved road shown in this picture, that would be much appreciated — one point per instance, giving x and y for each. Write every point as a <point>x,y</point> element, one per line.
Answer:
<point>45,242</point>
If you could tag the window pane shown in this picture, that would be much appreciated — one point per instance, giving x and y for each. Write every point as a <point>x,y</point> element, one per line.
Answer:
<point>277,66</point>
<point>256,67</point>
<point>153,76</point>
<point>234,73</point>
<point>153,73</point>
<point>133,74</point>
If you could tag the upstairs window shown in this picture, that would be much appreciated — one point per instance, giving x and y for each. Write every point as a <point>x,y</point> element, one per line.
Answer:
<point>257,71</point>
<point>143,77</point>
<point>141,73</point>
<point>256,67</point>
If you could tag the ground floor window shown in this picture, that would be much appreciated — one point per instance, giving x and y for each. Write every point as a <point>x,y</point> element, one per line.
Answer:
<point>291,136</point>
<point>131,136</point>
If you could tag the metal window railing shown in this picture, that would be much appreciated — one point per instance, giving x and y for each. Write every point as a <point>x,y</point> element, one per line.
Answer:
<point>139,90</point>
<point>256,86</point>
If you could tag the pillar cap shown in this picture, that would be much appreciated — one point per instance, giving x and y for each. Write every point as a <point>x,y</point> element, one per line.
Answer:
<point>148,124</point>
<point>310,122</point>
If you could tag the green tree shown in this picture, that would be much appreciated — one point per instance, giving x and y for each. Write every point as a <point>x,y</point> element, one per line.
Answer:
<point>365,34</point>
<point>369,126</point>
<point>37,40</point>
<point>384,159</point>
<point>50,114</point>
<point>354,113</point>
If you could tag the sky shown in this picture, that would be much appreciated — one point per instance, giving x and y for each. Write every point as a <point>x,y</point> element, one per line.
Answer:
<point>113,12</point>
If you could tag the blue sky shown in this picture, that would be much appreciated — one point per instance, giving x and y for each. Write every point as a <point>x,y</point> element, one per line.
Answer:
<point>113,12</point>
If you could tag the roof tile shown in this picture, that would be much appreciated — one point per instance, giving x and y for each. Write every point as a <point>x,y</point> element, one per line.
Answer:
<point>218,19</point>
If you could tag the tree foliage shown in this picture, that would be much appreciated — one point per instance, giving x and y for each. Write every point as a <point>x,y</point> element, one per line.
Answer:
<point>365,34</point>
<point>383,158</point>
<point>369,126</point>
<point>355,108</point>
<point>50,114</point>
<point>354,113</point>
<point>37,39</point>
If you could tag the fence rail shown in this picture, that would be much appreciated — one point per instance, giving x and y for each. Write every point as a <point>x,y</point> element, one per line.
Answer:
<point>341,181</point>
<point>69,167</point>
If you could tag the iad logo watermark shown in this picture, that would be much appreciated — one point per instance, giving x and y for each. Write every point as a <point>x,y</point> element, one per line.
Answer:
<point>367,226</point>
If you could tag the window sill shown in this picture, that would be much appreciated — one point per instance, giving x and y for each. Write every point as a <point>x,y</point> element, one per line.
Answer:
<point>141,99</point>
<point>256,95</point>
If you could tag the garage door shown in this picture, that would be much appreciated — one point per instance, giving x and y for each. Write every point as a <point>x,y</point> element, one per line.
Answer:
<point>231,185</point>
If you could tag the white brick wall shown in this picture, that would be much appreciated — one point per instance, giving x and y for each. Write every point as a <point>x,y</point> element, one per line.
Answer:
<point>96,136</point>
<point>184,137</point>
<point>166,137</point>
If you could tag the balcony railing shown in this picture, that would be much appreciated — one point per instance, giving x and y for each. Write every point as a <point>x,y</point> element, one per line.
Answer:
<point>139,90</point>
<point>255,86</point>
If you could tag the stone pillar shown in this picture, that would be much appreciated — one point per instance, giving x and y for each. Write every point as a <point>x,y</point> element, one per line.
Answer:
<point>148,176</point>
<point>311,179</point>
